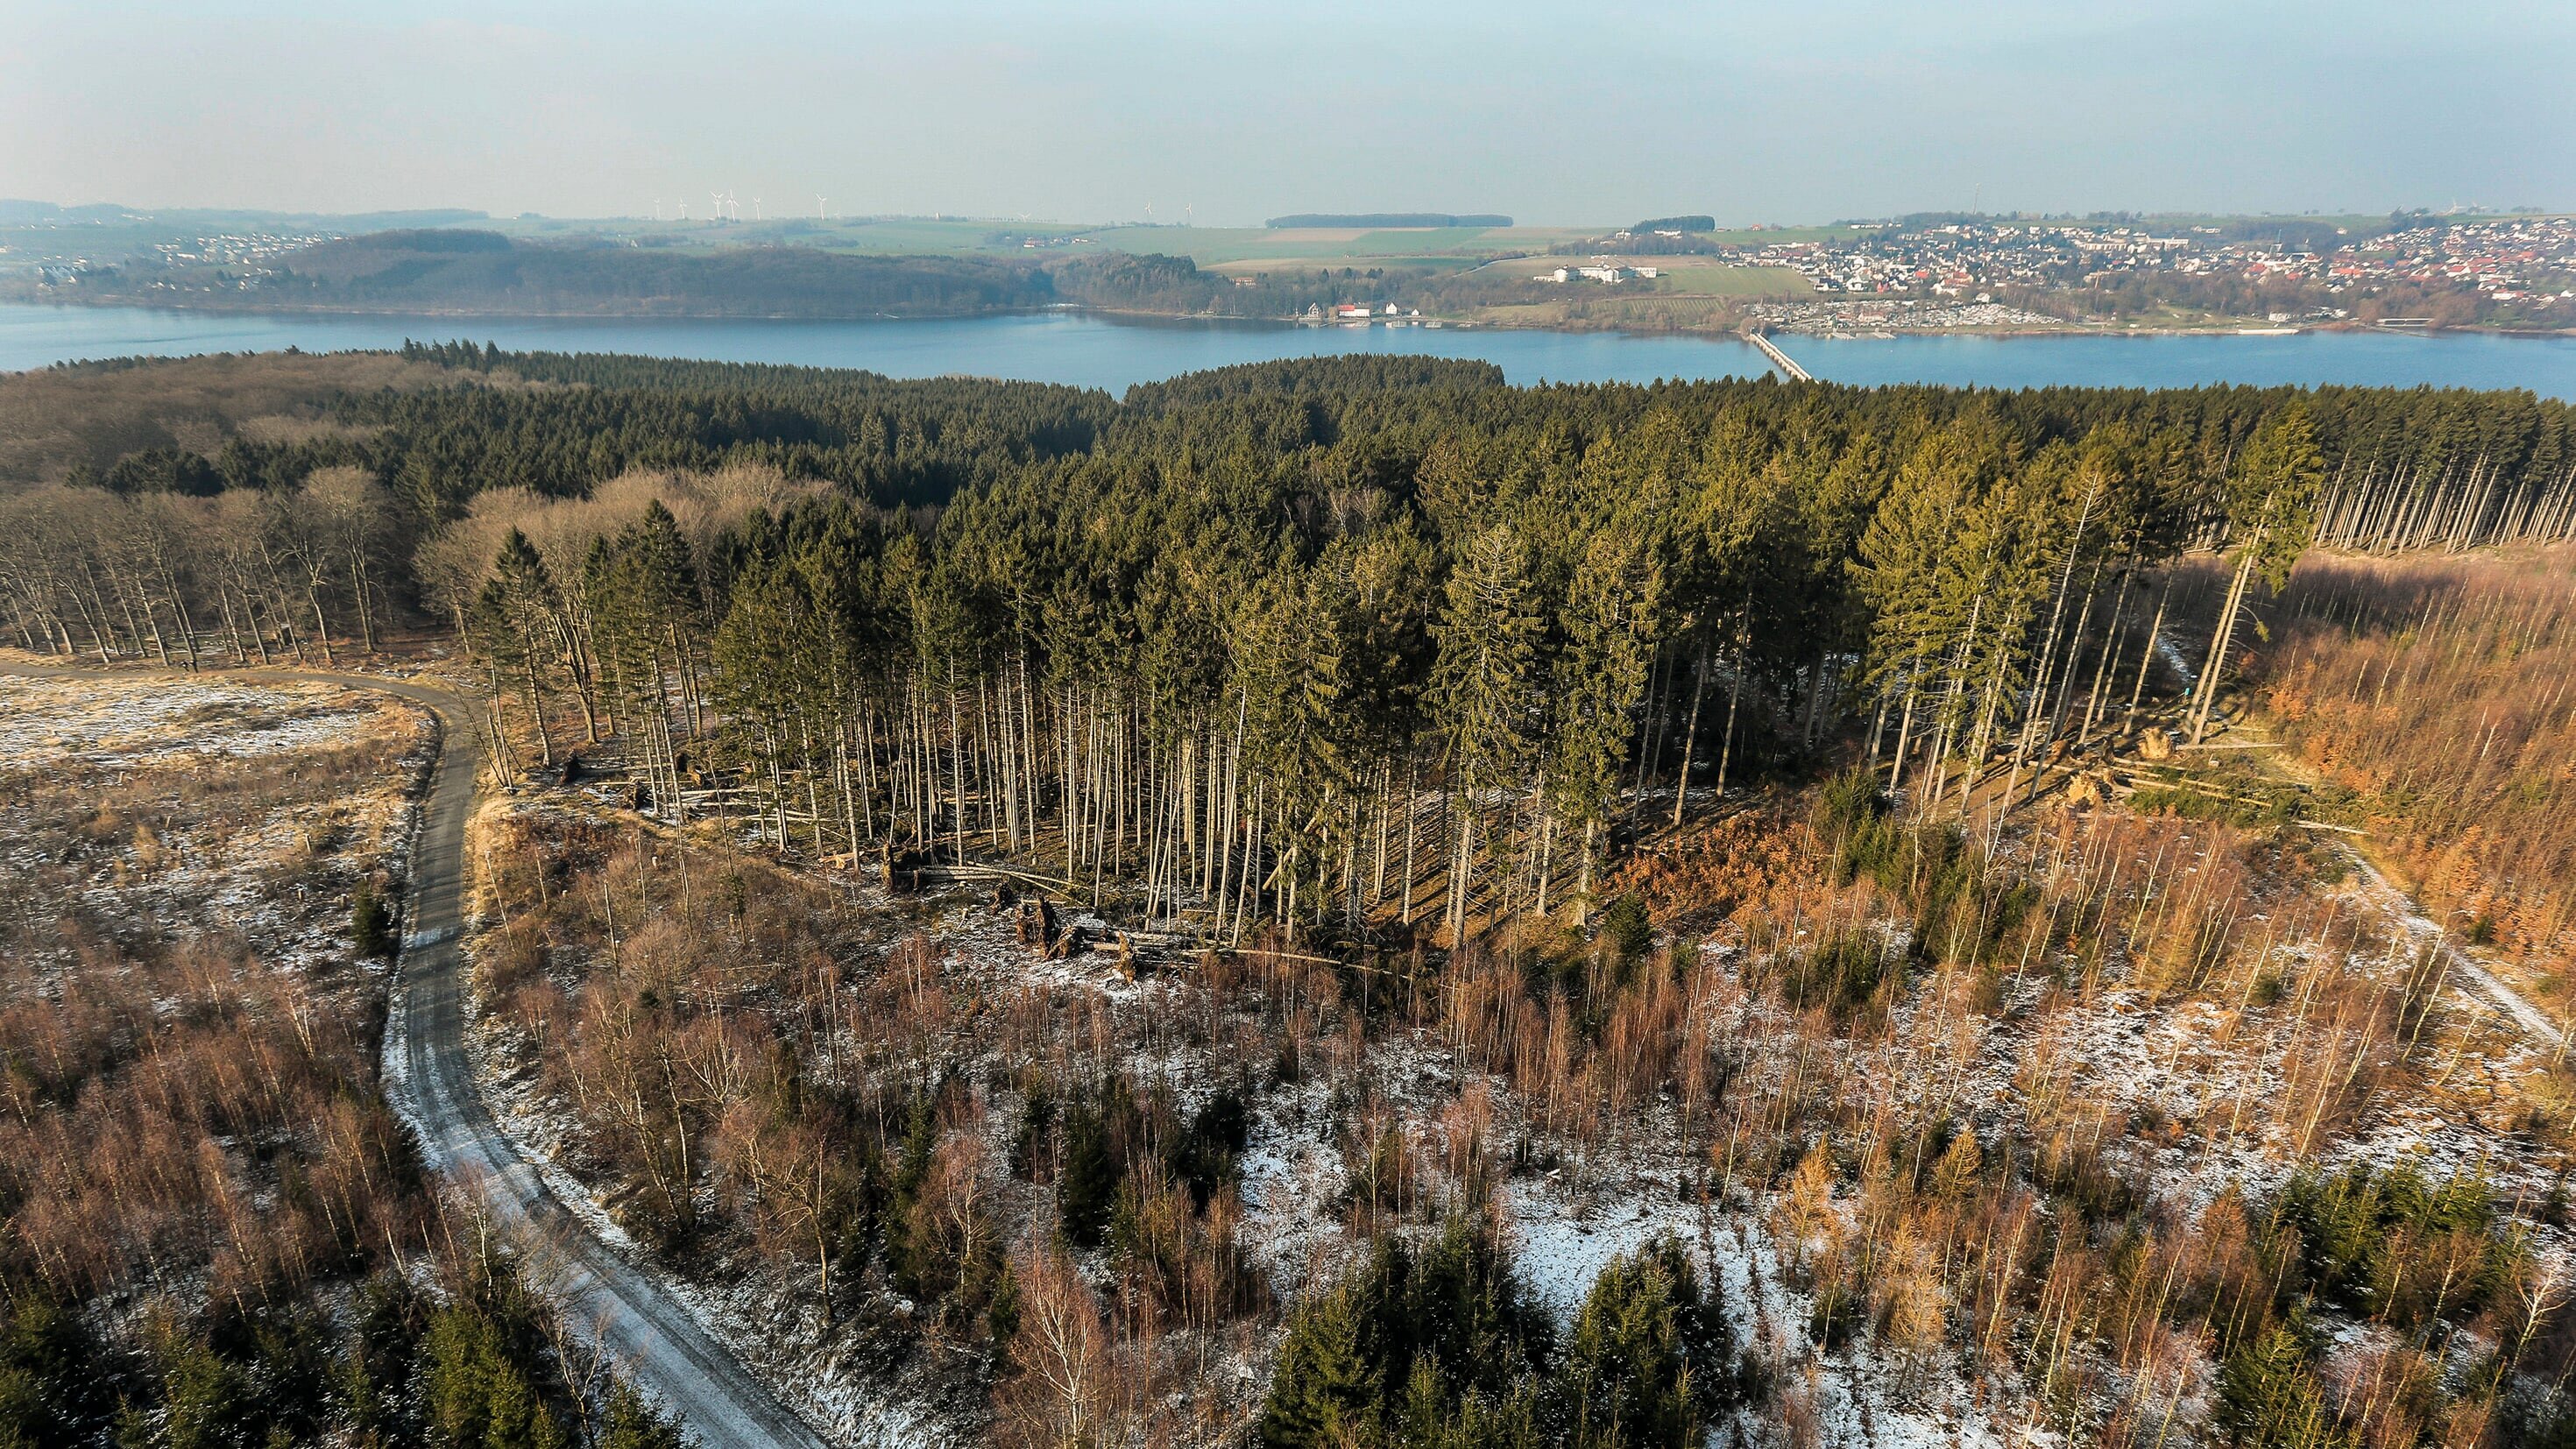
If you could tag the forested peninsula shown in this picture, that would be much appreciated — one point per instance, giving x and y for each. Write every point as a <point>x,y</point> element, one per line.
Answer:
<point>449,272</point>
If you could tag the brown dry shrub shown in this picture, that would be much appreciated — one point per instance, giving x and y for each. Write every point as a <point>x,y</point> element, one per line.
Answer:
<point>2439,689</point>
<point>1699,881</point>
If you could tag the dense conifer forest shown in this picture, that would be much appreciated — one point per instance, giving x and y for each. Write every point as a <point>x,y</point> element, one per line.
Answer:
<point>1254,643</point>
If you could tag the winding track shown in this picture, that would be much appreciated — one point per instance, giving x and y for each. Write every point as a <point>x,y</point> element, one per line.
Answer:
<point>2466,976</point>
<point>611,1302</point>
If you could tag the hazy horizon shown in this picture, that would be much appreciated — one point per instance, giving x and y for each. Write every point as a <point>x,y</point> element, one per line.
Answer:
<point>1139,108</point>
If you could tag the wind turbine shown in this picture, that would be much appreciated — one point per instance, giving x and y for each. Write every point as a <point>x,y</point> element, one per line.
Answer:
<point>755,208</point>
<point>819,213</point>
<point>716,199</point>
<point>657,208</point>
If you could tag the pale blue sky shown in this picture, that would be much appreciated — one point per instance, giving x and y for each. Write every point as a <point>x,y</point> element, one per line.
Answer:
<point>1554,112</point>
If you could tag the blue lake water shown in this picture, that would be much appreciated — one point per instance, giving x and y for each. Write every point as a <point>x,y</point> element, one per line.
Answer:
<point>1093,351</point>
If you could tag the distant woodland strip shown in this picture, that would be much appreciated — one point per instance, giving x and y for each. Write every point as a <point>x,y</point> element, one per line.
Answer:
<point>474,273</point>
<point>1381,220</point>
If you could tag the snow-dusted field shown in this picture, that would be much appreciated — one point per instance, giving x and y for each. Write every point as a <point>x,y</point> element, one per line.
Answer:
<point>213,805</point>
<point>128,723</point>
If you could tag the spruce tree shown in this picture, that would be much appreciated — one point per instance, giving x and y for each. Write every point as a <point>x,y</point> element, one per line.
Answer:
<point>1324,1394</point>
<point>48,1379</point>
<point>632,1422</point>
<point>1643,1365</point>
<point>2269,1398</point>
<point>1486,686</point>
<point>1608,619</point>
<point>2271,515</point>
<point>1087,1189</point>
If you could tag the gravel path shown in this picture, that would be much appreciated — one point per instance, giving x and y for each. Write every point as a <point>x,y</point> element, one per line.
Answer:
<point>2472,979</point>
<point>612,1302</point>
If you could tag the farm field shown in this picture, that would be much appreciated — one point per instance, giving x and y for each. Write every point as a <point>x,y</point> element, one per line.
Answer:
<point>1231,248</point>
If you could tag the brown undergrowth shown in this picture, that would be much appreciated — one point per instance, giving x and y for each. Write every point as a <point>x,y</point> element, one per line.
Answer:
<point>214,1227</point>
<point>2067,1120</point>
<point>2438,690</point>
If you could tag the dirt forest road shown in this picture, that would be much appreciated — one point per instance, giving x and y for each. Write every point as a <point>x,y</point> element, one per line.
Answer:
<point>2535,1024</point>
<point>2465,974</point>
<point>617,1306</point>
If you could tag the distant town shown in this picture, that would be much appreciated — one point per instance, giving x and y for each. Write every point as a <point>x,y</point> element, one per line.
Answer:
<point>250,253</point>
<point>1856,278</point>
<point>1989,274</point>
<point>2509,260</point>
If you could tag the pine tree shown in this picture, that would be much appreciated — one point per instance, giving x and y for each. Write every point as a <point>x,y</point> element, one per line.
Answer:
<point>2271,515</point>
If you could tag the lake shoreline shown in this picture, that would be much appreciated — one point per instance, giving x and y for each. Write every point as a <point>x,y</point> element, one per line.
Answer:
<point>2244,328</point>
<point>1090,348</point>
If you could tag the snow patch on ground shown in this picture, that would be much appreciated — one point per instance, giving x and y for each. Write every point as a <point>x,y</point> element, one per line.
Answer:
<point>1564,1243</point>
<point>1293,1183</point>
<point>108,720</point>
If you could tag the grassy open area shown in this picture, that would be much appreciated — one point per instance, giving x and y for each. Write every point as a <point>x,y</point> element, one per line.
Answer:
<point>1766,236</point>
<point>1602,309</point>
<point>1248,248</point>
<point>1690,293</point>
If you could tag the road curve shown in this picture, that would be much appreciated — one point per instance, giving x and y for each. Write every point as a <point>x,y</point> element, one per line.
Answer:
<point>641,1325</point>
<point>2536,1025</point>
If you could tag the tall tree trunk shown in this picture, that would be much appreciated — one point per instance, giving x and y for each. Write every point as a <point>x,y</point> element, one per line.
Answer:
<point>2147,652</point>
<point>1690,737</point>
<point>2207,696</point>
<point>1734,697</point>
